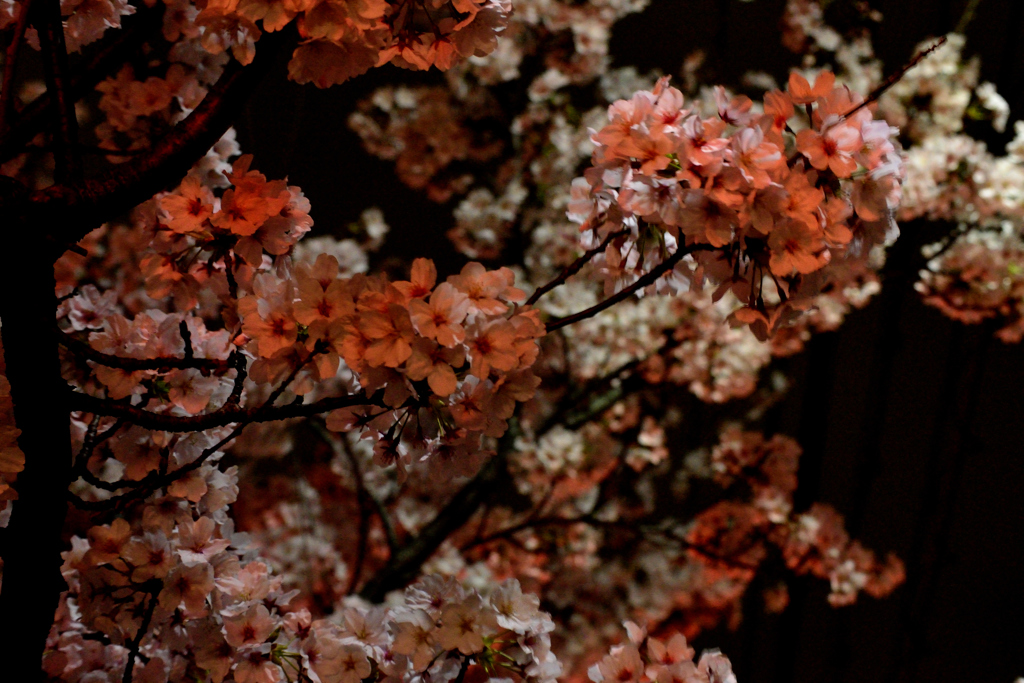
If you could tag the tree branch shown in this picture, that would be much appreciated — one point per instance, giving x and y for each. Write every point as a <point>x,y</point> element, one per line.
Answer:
<point>161,364</point>
<point>647,279</point>
<point>154,588</point>
<point>31,119</point>
<point>341,447</point>
<point>79,208</point>
<point>50,27</point>
<point>893,79</point>
<point>229,414</point>
<point>631,526</point>
<point>152,481</point>
<point>161,478</point>
<point>404,565</point>
<point>573,268</point>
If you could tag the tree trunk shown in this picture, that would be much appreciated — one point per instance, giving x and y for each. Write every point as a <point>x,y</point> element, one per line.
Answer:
<point>31,544</point>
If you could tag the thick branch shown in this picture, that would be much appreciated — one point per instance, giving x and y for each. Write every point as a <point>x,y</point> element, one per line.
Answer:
<point>404,565</point>
<point>79,208</point>
<point>31,119</point>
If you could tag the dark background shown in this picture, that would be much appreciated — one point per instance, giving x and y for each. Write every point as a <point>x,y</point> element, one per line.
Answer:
<point>911,423</point>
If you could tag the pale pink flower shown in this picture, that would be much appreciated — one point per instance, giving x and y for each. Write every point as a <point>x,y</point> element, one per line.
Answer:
<point>832,149</point>
<point>435,364</point>
<point>413,637</point>
<point>464,625</point>
<point>250,628</point>
<point>197,543</point>
<point>441,317</point>
<point>492,346</point>
<point>189,586</point>
<point>188,208</point>
<point>621,665</point>
<point>801,92</point>
<point>342,663</point>
<point>796,248</point>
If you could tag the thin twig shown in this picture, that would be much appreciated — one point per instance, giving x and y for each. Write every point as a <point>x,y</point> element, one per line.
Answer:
<point>186,338</point>
<point>404,565</point>
<point>622,525</point>
<point>364,521</point>
<point>382,513</point>
<point>894,78</point>
<point>88,444</point>
<point>155,586</point>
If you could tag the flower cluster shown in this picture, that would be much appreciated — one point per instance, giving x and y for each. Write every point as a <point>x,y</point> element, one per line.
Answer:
<point>774,196</point>
<point>138,109</point>
<point>181,576</point>
<point>342,40</point>
<point>201,248</point>
<point>645,659</point>
<point>615,510</point>
<point>426,131</point>
<point>452,359</point>
<point>812,543</point>
<point>537,27</point>
<point>207,307</point>
<point>85,21</point>
<point>819,545</point>
<point>980,277</point>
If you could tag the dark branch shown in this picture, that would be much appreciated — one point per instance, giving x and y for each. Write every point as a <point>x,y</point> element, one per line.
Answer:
<point>164,364</point>
<point>50,28</point>
<point>227,415</point>
<point>80,207</point>
<point>894,78</point>
<point>573,268</point>
<point>630,526</point>
<point>154,588</point>
<point>341,447</point>
<point>31,119</point>
<point>152,481</point>
<point>647,279</point>
<point>404,565</point>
